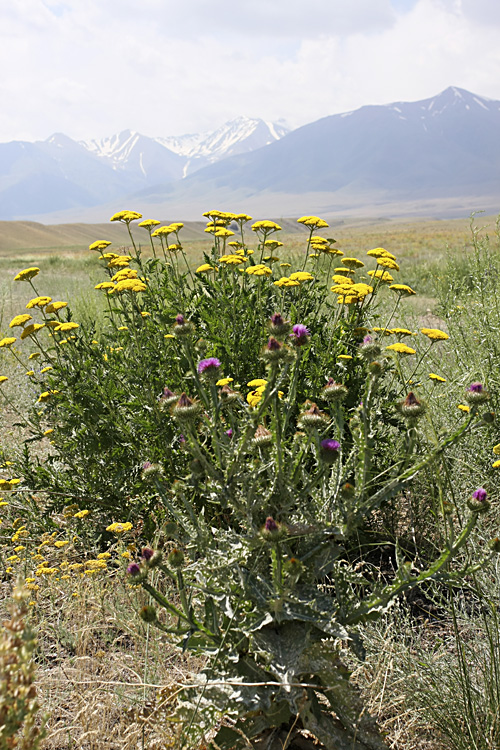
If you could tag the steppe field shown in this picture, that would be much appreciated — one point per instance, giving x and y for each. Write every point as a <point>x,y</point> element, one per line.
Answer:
<point>249,484</point>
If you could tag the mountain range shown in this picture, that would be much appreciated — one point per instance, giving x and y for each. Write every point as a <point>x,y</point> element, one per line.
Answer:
<point>438,156</point>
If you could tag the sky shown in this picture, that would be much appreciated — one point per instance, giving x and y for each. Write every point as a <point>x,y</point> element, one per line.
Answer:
<point>162,67</point>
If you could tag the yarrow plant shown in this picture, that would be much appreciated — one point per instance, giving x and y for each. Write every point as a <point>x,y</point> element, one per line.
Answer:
<point>240,416</point>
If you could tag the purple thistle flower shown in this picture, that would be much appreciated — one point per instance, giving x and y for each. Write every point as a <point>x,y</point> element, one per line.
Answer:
<point>229,432</point>
<point>147,553</point>
<point>367,340</point>
<point>270,524</point>
<point>300,335</point>
<point>480,494</point>
<point>133,569</point>
<point>330,445</point>
<point>146,465</point>
<point>277,319</point>
<point>209,365</point>
<point>273,345</point>
<point>475,388</point>
<point>180,320</point>
<point>182,439</point>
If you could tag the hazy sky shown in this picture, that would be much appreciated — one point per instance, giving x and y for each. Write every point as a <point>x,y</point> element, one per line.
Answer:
<point>91,68</point>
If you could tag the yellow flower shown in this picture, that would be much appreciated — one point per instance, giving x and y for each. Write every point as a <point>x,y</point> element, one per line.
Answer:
<point>130,285</point>
<point>81,514</point>
<point>342,280</point>
<point>145,314</point>
<point>380,252</point>
<point>266,226</point>
<point>119,528</point>
<point>434,334</point>
<point>120,261</point>
<point>49,431</point>
<point>259,270</point>
<point>344,271</point>
<point>46,369</point>
<point>27,274</point>
<point>401,332</point>
<point>105,285</point>
<point>55,306</point>
<point>60,544</point>
<point>384,276</point>
<point>224,381</point>
<point>344,356</point>
<point>388,263</point>
<point>126,216</point>
<point>99,245</point>
<point>403,289</point>
<point>104,555</point>
<point>205,267</point>
<point>125,273</point>
<point>285,265</point>
<point>362,290</point>
<point>38,302</point>
<point>285,281</point>
<point>352,263</point>
<point>401,348</point>
<point>301,276</point>
<point>464,407</point>
<point>437,378</point>
<point>67,326</point>
<point>20,320</point>
<point>46,571</point>
<point>232,259</point>
<point>257,383</point>
<point>45,396</point>
<point>168,229</point>
<point>126,554</point>
<point>496,449</point>
<point>343,289</point>
<point>29,330</point>
<point>8,341</point>
<point>149,224</point>
<point>75,566</point>
<point>3,378</point>
<point>496,464</point>
<point>312,221</point>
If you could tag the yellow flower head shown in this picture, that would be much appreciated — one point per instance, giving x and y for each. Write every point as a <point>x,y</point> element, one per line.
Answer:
<point>70,326</point>
<point>401,348</point>
<point>342,280</point>
<point>27,274</point>
<point>257,383</point>
<point>38,302</point>
<point>401,332</point>
<point>380,252</point>
<point>32,328</point>
<point>3,378</point>
<point>434,334</point>
<point>232,260</point>
<point>496,449</point>
<point>168,229</point>
<point>352,263</point>
<point>362,290</point>
<point>312,221</point>
<point>403,289</point>
<point>224,381</point>
<point>437,378</point>
<point>286,282</point>
<point>119,261</point>
<point>55,307</point>
<point>105,285</point>
<point>20,320</point>
<point>125,273</point>
<point>204,268</point>
<point>243,218</point>
<point>81,513</point>
<point>384,276</point>
<point>259,270</point>
<point>60,544</point>
<point>266,226</point>
<point>388,263</point>
<point>344,356</point>
<point>8,341</point>
<point>301,276</point>
<point>126,216</point>
<point>119,528</point>
<point>342,289</point>
<point>464,407</point>
<point>149,224</point>
<point>99,245</point>
<point>495,464</point>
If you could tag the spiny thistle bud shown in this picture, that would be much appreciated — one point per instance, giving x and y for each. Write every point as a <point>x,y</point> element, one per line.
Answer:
<point>347,491</point>
<point>209,369</point>
<point>134,569</point>
<point>488,417</point>
<point>476,394</point>
<point>300,335</point>
<point>182,327</point>
<point>186,408</point>
<point>151,471</point>
<point>262,437</point>
<point>274,351</point>
<point>271,529</point>
<point>293,567</point>
<point>155,559</point>
<point>312,417</point>
<point>148,613</point>
<point>334,391</point>
<point>370,348</point>
<point>411,407</point>
<point>176,558</point>
<point>376,368</point>
<point>329,450</point>
<point>479,502</point>
<point>448,508</point>
<point>277,326</point>
<point>228,395</point>
<point>494,545</point>
<point>147,553</point>
<point>167,397</point>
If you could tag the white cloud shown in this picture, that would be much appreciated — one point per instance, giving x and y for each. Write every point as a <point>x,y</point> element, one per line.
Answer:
<point>162,67</point>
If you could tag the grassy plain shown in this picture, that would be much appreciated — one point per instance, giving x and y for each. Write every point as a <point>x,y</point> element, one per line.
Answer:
<point>106,678</point>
